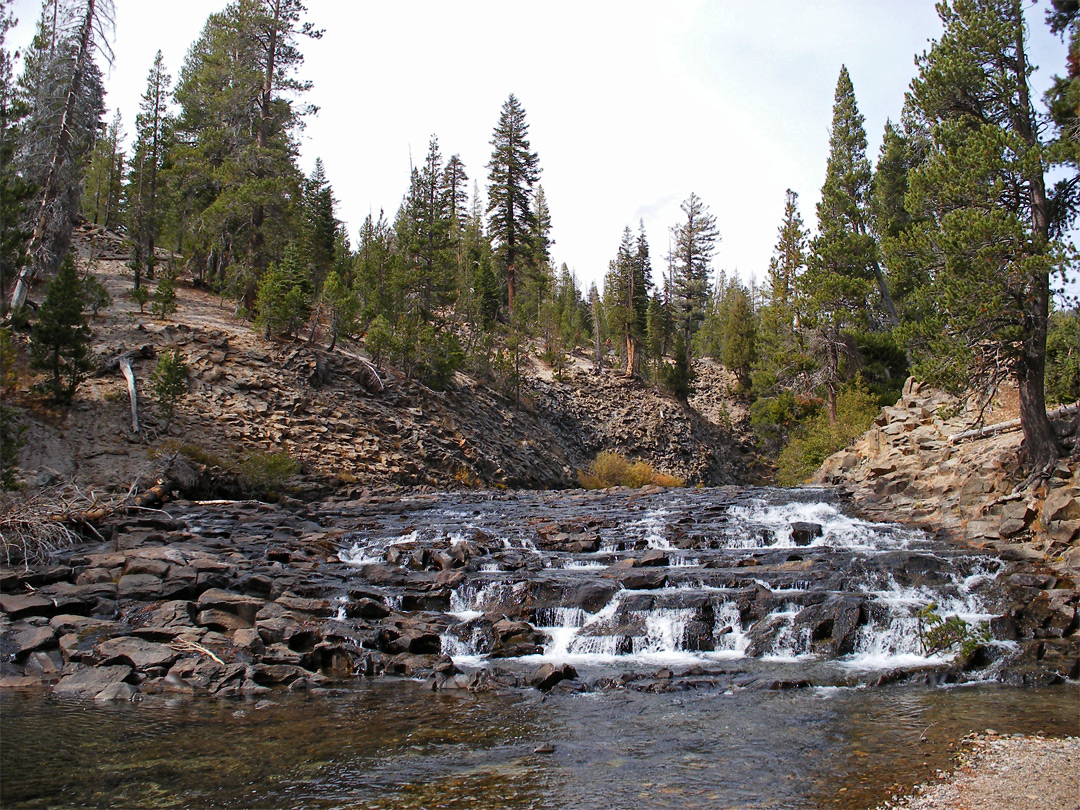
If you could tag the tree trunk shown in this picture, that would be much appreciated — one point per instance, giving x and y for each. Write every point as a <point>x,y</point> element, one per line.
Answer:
<point>886,298</point>
<point>631,356</point>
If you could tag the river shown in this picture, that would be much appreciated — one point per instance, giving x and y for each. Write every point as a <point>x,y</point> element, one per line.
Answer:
<point>729,649</point>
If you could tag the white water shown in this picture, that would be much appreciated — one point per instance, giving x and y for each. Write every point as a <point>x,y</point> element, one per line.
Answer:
<point>697,618</point>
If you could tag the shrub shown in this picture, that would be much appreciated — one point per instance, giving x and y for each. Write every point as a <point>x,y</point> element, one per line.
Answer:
<point>818,439</point>
<point>169,382</point>
<point>140,296</point>
<point>610,469</point>
<point>165,296</point>
<point>95,296</point>
<point>264,472</point>
<point>938,634</point>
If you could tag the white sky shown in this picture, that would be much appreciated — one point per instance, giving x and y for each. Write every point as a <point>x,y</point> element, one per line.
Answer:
<point>631,105</point>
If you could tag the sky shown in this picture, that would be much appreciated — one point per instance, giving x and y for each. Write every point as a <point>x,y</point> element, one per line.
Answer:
<point>631,106</point>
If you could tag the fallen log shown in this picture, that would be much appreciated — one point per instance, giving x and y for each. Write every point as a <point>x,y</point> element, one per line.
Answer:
<point>1012,424</point>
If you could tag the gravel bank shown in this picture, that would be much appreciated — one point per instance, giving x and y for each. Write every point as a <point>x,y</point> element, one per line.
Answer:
<point>1004,773</point>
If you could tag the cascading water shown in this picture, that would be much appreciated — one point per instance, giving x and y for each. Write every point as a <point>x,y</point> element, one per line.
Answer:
<point>694,577</point>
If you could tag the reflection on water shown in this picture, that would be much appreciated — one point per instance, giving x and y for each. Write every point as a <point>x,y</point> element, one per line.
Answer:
<point>393,745</point>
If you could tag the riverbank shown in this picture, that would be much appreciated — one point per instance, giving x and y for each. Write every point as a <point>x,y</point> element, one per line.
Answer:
<point>994,773</point>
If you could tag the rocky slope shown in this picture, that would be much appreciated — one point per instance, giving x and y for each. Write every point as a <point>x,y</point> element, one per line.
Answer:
<point>914,465</point>
<point>347,429</point>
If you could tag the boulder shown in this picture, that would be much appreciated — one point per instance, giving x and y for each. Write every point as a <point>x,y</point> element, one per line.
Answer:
<point>639,580</point>
<point>19,642</point>
<point>137,652</point>
<point>31,604</point>
<point>804,533</point>
<point>238,604</point>
<point>87,682</point>
<point>548,675</point>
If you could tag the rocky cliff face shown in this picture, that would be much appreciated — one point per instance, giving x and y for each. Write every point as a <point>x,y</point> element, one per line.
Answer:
<point>914,465</point>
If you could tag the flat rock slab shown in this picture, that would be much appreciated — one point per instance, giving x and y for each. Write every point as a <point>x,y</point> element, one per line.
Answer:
<point>140,653</point>
<point>31,604</point>
<point>90,681</point>
<point>238,604</point>
<point>29,639</point>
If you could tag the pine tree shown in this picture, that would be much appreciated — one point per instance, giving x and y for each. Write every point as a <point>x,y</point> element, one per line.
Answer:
<point>320,226</point>
<point>837,282</point>
<point>284,296</point>
<point>62,86</point>
<point>626,290</point>
<point>739,331</point>
<point>987,234</point>
<point>103,181</point>
<point>60,341</point>
<point>512,173</point>
<point>235,163</point>
<point>151,144</point>
<point>15,192</point>
<point>691,258</point>
<point>783,362</point>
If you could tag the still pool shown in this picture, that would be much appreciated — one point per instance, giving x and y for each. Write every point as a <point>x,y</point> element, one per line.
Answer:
<point>391,744</point>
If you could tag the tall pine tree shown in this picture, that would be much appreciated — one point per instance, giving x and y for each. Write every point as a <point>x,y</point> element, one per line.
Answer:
<point>512,172</point>
<point>987,236</point>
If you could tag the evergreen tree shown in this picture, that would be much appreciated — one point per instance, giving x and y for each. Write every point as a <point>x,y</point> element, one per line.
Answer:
<point>691,259</point>
<point>284,296</point>
<point>738,333</point>
<point>103,181</point>
<point>235,160</point>
<point>512,173</point>
<point>892,220</point>
<point>320,226</point>
<point>626,290</point>
<point>457,198</point>
<point>342,305</point>
<point>837,282</point>
<point>783,362</point>
<point>15,192</point>
<point>151,143</point>
<point>62,86</point>
<point>987,234</point>
<point>60,341</point>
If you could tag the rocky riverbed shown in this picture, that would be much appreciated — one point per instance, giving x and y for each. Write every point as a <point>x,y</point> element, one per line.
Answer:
<point>647,590</point>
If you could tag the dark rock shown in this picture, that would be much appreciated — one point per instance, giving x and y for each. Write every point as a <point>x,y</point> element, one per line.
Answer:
<point>803,533</point>
<point>31,604</point>
<point>366,609</point>
<point>240,605</point>
<point>20,642</point>
<point>89,681</point>
<point>141,654</point>
<point>653,557</point>
<point>145,587</point>
<point>592,596</point>
<point>548,675</point>
<point>643,580</point>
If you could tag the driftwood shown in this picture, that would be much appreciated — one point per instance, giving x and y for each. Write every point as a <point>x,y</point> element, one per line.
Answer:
<point>111,364</point>
<point>1012,424</point>
<point>122,361</point>
<point>129,375</point>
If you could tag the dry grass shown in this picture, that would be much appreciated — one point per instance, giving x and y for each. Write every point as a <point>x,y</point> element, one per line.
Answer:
<point>613,470</point>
